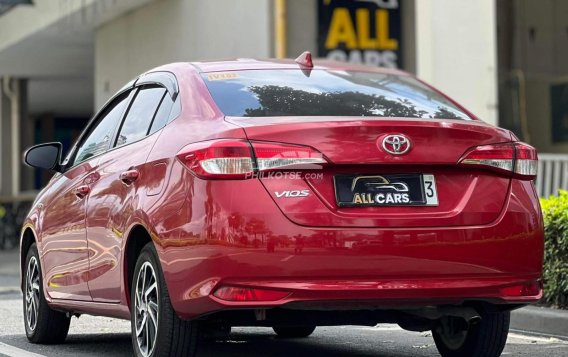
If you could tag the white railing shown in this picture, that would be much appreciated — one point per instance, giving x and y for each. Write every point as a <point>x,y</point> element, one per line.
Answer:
<point>552,174</point>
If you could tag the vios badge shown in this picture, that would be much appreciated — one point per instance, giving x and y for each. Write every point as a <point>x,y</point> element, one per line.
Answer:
<point>396,144</point>
<point>293,193</point>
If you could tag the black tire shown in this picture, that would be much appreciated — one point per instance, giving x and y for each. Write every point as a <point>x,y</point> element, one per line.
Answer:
<point>43,325</point>
<point>294,331</point>
<point>486,338</point>
<point>174,337</point>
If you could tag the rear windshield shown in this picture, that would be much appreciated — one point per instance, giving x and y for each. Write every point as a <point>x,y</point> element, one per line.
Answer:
<point>263,93</point>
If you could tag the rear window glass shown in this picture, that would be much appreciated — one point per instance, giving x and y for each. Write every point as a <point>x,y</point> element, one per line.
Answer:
<point>262,93</point>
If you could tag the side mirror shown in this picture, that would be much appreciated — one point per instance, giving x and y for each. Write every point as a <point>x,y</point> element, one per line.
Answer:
<point>44,156</point>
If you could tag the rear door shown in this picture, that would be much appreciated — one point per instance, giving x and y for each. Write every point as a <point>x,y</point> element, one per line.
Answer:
<point>116,196</point>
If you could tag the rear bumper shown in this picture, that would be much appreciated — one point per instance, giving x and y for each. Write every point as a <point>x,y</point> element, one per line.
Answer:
<point>250,243</point>
<point>381,294</point>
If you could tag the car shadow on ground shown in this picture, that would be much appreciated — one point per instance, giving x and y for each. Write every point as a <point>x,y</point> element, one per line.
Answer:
<point>268,344</point>
<point>238,344</point>
<point>104,344</point>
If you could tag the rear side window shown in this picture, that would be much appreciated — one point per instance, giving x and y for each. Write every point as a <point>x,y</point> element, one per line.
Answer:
<point>162,115</point>
<point>140,115</point>
<point>261,93</point>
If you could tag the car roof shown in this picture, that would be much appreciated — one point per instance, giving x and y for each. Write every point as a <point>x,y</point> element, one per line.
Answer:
<point>242,64</point>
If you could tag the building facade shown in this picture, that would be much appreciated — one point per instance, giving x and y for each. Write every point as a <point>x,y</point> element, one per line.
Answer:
<point>60,60</point>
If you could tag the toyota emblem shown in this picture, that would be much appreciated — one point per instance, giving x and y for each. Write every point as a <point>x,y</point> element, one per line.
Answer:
<point>396,144</point>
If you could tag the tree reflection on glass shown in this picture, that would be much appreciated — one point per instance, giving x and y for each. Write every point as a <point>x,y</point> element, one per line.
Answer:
<point>443,113</point>
<point>282,100</point>
<point>264,93</point>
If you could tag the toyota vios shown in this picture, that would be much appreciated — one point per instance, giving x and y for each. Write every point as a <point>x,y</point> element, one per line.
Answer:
<point>289,195</point>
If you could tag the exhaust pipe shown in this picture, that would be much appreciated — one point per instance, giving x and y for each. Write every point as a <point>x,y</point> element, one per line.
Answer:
<point>474,320</point>
<point>469,314</point>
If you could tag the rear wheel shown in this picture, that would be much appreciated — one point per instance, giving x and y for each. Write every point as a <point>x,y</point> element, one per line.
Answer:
<point>43,325</point>
<point>294,331</point>
<point>487,338</point>
<point>156,328</point>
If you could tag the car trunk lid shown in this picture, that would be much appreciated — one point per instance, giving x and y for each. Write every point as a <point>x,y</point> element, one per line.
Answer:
<point>353,147</point>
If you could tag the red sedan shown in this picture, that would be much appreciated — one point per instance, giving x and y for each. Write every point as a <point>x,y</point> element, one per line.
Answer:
<point>289,195</point>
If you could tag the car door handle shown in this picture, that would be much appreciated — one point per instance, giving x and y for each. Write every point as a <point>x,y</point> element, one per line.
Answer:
<point>82,191</point>
<point>129,176</point>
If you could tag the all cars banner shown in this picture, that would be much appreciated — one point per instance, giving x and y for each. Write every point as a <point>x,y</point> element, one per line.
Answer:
<point>360,31</point>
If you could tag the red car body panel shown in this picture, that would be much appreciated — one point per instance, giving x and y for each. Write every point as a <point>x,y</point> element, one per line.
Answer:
<point>485,235</point>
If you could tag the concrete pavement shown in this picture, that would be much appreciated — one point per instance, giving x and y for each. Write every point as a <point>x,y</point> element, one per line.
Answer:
<point>541,320</point>
<point>9,271</point>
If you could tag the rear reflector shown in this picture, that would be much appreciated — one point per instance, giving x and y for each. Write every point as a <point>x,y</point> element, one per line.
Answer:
<point>532,288</point>
<point>230,293</point>
<point>234,159</point>
<point>516,158</point>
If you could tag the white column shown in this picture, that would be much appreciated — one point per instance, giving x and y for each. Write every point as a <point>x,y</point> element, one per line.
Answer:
<point>10,116</point>
<point>456,51</point>
<point>1,133</point>
<point>15,132</point>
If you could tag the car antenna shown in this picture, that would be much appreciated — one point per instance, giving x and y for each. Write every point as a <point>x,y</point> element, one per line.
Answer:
<point>305,62</point>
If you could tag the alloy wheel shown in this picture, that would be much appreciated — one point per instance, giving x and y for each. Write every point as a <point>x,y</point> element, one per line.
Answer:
<point>32,293</point>
<point>146,309</point>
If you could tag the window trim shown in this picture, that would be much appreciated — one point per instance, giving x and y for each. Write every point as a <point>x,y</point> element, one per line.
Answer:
<point>164,79</point>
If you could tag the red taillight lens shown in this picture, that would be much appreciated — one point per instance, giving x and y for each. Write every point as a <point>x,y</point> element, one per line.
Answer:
<point>222,159</point>
<point>498,157</point>
<point>526,161</point>
<point>271,156</point>
<point>231,293</point>
<point>233,159</point>
<point>516,158</point>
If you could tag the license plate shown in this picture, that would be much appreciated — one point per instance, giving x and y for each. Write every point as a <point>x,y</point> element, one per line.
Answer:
<point>386,190</point>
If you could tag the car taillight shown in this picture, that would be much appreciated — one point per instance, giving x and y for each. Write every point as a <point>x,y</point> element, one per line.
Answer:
<point>231,293</point>
<point>239,159</point>
<point>517,159</point>
<point>271,156</point>
<point>526,161</point>
<point>222,159</point>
